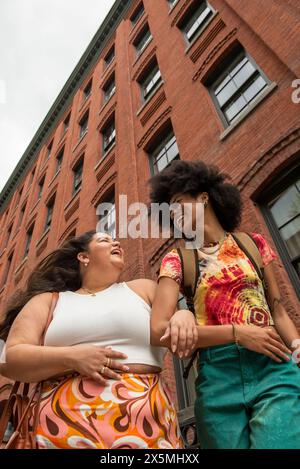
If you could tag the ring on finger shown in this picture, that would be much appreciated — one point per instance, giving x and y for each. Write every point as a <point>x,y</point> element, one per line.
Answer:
<point>102,369</point>
<point>108,362</point>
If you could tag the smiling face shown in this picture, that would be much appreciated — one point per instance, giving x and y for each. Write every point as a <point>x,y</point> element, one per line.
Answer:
<point>187,215</point>
<point>103,253</point>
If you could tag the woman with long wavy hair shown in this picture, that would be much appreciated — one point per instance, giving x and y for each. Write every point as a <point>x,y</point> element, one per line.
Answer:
<point>101,331</point>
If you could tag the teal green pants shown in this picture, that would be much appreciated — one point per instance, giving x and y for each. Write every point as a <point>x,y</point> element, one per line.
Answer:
<point>246,400</point>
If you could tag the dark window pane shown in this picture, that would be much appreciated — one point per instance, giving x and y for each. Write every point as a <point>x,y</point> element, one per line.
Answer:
<point>200,16</point>
<point>143,41</point>
<point>110,57</point>
<point>107,222</point>
<point>137,15</point>
<point>151,82</point>
<point>109,90</point>
<point>291,235</point>
<point>286,206</point>
<point>167,152</point>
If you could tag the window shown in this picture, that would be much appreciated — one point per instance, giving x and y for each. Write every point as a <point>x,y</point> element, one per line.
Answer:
<point>109,57</point>
<point>237,87</point>
<point>87,90</point>
<point>8,234</point>
<point>108,136</point>
<point>150,82</point>
<point>77,174</point>
<point>41,186</point>
<point>67,123</point>
<point>142,40</point>
<point>21,215</point>
<point>83,124</point>
<point>20,195</point>
<point>107,221</point>
<point>31,177</point>
<point>109,88</point>
<point>7,270</point>
<point>196,17</point>
<point>50,208</point>
<point>137,14</point>
<point>49,150</point>
<point>28,240</point>
<point>281,208</point>
<point>59,159</point>
<point>18,198</point>
<point>163,152</point>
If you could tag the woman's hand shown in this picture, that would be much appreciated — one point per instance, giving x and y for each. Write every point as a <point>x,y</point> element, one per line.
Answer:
<point>182,330</point>
<point>89,360</point>
<point>263,340</point>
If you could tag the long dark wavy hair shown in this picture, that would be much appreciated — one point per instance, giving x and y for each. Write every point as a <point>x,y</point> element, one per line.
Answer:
<point>58,271</point>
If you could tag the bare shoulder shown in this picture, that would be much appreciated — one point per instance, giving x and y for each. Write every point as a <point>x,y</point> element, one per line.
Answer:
<point>144,287</point>
<point>36,308</point>
<point>42,300</point>
<point>30,323</point>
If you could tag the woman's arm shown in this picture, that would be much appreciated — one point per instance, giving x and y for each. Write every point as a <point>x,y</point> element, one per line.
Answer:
<point>258,339</point>
<point>177,328</point>
<point>283,323</point>
<point>164,305</point>
<point>27,361</point>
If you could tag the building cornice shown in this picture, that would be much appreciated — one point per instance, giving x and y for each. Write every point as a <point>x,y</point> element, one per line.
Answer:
<point>88,59</point>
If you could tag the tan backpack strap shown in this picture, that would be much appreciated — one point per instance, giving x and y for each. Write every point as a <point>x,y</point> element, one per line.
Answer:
<point>247,244</point>
<point>190,273</point>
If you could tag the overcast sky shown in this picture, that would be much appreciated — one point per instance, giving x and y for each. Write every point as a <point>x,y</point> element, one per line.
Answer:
<point>41,43</point>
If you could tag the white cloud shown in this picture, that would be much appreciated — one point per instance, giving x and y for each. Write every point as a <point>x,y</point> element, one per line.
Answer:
<point>41,43</point>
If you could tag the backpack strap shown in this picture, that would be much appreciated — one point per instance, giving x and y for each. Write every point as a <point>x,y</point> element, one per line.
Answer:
<point>248,244</point>
<point>249,247</point>
<point>190,275</point>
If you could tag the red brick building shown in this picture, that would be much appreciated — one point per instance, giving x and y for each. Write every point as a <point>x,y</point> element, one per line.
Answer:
<point>165,79</point>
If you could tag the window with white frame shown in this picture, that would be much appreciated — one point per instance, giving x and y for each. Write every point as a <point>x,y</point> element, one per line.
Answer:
<point>108,136</point>
<point>142,40</point>
<point>150,81</point>
<point>164,152</point>
<point>239,83</point>
<point>107,220</point>
<point>109,88</point>
<point>137,14</point>
<point>195,19</point>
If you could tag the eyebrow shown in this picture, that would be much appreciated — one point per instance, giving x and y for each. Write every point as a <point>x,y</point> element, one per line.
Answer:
<point>105,237</point>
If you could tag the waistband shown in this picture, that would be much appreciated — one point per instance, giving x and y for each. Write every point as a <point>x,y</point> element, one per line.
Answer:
<point>222,351</point>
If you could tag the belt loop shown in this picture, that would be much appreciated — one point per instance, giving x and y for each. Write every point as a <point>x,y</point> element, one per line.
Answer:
<point>208,355</point>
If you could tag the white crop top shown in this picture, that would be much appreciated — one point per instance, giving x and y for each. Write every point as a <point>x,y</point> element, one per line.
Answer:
<point>116,317</point>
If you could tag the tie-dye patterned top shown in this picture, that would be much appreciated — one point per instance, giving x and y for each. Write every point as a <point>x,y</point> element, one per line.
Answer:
<point>229,289</point>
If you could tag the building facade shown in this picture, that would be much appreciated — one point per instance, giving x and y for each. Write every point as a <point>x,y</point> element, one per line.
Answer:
<point>163,79</point>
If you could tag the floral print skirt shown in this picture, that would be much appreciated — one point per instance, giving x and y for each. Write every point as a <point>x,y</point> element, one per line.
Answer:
<point>136,412</point>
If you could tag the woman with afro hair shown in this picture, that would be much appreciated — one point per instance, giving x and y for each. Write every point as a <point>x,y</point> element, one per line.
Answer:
<point>248,383</point>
